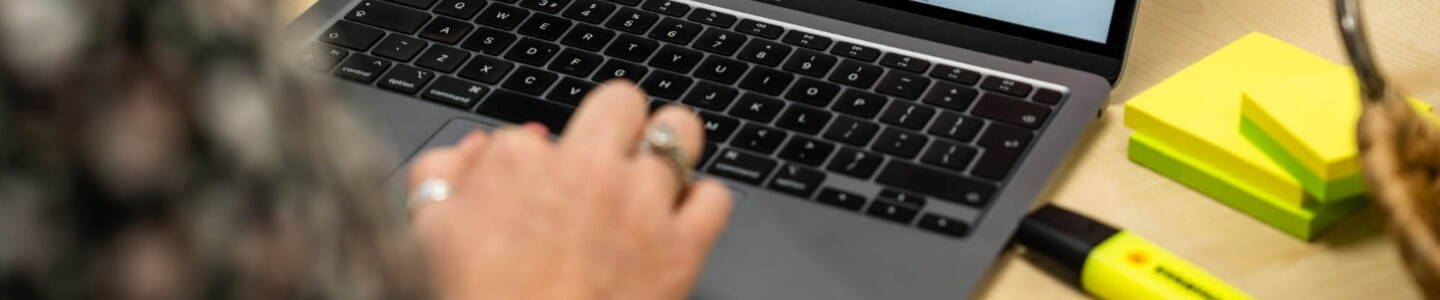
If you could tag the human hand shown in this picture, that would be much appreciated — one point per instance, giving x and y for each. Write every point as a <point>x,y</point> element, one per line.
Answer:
<point>587,217</point>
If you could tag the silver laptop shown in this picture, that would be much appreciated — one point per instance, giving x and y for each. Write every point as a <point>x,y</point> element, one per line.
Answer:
<point>877,149</point>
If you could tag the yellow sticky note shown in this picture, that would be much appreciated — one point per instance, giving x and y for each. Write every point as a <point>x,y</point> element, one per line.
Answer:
<point>1197,110</point>
<point>1308,124</point>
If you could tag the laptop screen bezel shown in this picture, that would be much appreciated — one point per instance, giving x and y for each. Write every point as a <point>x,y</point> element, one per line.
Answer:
<point>984,34</point>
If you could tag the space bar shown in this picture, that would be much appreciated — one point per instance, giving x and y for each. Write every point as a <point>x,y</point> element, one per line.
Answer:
<point>518,108</point>
<point>946,186</point>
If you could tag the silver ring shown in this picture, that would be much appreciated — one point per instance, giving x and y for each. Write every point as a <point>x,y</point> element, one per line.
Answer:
<point>430,191</point>
<point>663,140</point>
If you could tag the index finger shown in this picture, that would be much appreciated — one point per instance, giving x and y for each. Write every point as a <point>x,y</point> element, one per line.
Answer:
<point>608,122</point>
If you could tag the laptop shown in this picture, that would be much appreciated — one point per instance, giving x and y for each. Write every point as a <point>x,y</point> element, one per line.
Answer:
<point>877,149</point>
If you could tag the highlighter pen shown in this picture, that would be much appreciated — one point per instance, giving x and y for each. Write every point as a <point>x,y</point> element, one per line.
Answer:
<point>1115,264</point>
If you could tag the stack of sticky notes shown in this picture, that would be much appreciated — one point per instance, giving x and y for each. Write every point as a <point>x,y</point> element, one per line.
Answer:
<point>1261,126</point>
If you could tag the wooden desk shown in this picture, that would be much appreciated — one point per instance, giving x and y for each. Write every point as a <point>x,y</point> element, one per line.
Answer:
<point>1356,261</point>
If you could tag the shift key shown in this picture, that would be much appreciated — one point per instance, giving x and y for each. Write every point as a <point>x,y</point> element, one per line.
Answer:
<point>742,167</point>
<point>943,185</point>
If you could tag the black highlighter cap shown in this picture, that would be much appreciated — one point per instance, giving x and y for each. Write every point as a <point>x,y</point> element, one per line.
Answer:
<point>1062,235</point>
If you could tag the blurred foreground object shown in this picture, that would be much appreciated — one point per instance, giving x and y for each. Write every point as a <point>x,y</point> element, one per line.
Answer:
<point>1401,155</point>
<point>162,150</point>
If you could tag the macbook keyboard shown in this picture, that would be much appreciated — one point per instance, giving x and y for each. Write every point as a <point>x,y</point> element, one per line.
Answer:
<point>787,109</point>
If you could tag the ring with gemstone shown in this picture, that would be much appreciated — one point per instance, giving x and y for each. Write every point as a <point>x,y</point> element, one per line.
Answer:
<point>663,140</point>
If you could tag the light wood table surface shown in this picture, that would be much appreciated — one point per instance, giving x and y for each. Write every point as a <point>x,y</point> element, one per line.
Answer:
<point>1354,261</point>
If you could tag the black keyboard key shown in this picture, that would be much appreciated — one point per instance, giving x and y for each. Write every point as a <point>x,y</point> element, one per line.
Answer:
<point>856,163</point>
<point>627,2</point>
<point>719,41</point>
<point>757,108</point>
<point>571,91</point>
<point>590,11</point>
<point>632,48</point>
<point>851,131</point>
<point>549,6</point>
<point>813,64</point>
<point>807,151</point>
<point>857,74</point>
<point>588,37</point>
<point>677,59</point>
<point>955,74</point>
<point>813,92</point>
<point>362,68</point>
<point>615,68</point>
<point>956,127</point>
<point>671,8</point>
<point>399,47</point>
<point>1007,86</point>
<point>722,70</point>
<point>765,53</point>
<point>804,119</point>
<point>406,79</point>
<point>939,184</point>
<point>844,200</point>
<point>906,63</point>
<point>900,143</point>
<point>714,18</point>
<point>454,92</point>
<point>899,197</point>
<point>951,96</point>
<point>1004,146</point>
<point>667,85</point>
<point>860,104</point>
<point>807,40</point>
<point>1011,110</point>
<point>518,108</point>
<point>718,128</point>
<point>943,225</point>
<point>1048,96</point>
<point>463,9</point>
<point>768,81</point>
<point>676,31</point>
<point>502,16</point>
<point>863,53</point>
<point>576,63</point>
<point>350,35</point>
<point>545,27</point>
<point>892,212</point>
<point>633,21</point>
<point>421,4</point>
<point>443,59</point>
<point>742,167</point>
<point>711,96</point>
<point>388,16</point>
<point>533,52</point>
<point>486,69</point>
<point>759,139</point>
<point>531,81</point>
<point>949,155</point>
<point>908,115</point>
<point>489,41</point>
<point>761,29</point>
<point>798,181</point>
<point>322,57</point>
<point>903,85</point>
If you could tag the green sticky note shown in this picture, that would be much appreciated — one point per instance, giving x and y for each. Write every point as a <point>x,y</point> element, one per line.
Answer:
<point>1304,223</point>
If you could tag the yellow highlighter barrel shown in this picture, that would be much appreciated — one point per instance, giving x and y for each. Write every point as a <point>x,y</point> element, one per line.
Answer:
<point>1114,264</point>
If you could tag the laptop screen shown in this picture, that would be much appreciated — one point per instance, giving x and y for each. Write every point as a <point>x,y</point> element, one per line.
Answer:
<point>1088,20</point>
